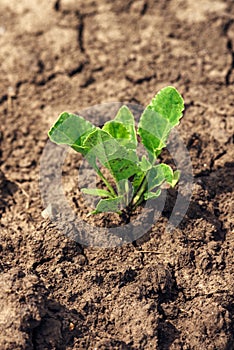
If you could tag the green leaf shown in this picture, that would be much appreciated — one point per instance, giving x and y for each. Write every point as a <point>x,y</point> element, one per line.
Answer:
<point>159,174</point>
<point>152,195</point>
<point>96,192</point>
<point>97,142</point>
<point>138,179</point>
<point>118,131</point>
<point>125,117</point>
<point>154,131</point>
<point>169,104</point>
<point>71,129</point>
<point>112,205</point>
<point>122,162</point>
<point>157,120</point>
<point>176,177</point>
<point>145,164</point>
<point>123,166</point>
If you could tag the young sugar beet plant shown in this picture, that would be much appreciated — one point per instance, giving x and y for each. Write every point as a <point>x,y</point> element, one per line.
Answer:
<point>114,147</point>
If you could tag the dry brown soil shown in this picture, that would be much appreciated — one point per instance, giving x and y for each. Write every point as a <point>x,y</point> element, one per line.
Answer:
<point>171,290</point>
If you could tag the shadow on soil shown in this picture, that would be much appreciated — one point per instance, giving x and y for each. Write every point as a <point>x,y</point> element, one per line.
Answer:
<point>7,189</point>
<point>58,328</point>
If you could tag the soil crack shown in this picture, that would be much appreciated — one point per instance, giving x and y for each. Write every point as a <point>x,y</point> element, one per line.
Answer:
<point>3,98</point>
<point>76,70</point>
<point>230,50</point>
<point>229,72</point>
<point>80,29</point>
<point>57,5</point>
<point>139,80</point>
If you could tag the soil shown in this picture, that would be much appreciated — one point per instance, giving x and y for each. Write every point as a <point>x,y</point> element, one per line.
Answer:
<point>170,289</point>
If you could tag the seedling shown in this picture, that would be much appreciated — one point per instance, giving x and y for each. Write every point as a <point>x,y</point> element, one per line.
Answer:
<point>114,147</point>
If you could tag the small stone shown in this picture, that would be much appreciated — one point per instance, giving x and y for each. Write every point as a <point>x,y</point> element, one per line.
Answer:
<point>48,212</point>
<point>71,326</point>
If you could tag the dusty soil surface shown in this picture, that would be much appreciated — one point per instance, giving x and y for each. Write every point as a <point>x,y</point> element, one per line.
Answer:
<point>170,289</point>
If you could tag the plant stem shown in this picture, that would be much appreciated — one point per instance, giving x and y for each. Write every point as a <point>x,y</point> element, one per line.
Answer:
<point>108,185</point>
<point>138,197</point>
